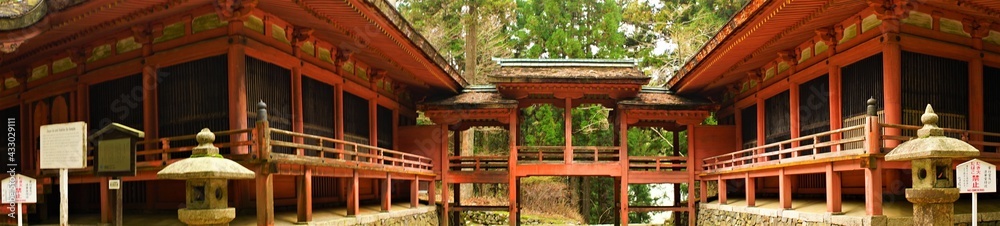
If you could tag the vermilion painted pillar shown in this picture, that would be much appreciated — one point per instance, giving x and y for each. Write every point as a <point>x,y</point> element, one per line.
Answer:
<point>784,189</point>
<point>373,126</point>
<point>624,158</point>
<point>304,185</point>
<point>834,95</point>
<point>352,196</point>
<point>751,190</point>
<point>873,171</point>
<point>106,213</point>
<point>237,92</point>
<point>722,191</point>
<point>892,82</point>
<point>691,168</point>
<point>793,108</point>
<point>512,181</point>
<point>833,187</point>
<point>387,192</point>
<point>414,192</point>
<point>338,92</point>
<point>976,92</point>
<point>568,117</point>
<point>445,205</point>
<point>761,139</point>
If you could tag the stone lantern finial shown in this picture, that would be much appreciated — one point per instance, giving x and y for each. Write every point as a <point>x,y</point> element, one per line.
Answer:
<point>930,119</point>
<point>205,147</point>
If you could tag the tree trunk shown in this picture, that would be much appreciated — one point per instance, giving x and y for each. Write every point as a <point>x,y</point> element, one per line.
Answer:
<point>472,43</point>
<point>585,200</point>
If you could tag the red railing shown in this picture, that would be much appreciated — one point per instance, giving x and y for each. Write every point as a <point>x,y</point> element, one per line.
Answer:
<point>159,152</point>
<point>556,153</point>
<point>478,163</point>
<point>350,151</point>
<point>657,163</point>
<point>787,149</point>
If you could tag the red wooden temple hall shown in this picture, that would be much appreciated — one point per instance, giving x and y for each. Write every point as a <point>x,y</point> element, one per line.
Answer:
<point>340,80</point>
<point>792,79</point>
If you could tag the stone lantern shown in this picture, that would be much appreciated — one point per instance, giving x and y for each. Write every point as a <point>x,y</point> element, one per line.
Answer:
<point>933,194</point>
<point>207,174</point>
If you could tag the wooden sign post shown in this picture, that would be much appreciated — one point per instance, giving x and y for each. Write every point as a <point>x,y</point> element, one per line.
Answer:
<point>115,158</point>
<point>976,176</point>
<point>19,189</point>
<point>63,147</point>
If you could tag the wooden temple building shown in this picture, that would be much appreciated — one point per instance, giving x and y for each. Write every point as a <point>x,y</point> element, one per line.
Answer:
<point>343,81</point>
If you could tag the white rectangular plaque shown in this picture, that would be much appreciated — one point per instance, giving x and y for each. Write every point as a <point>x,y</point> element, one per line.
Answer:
<point>63,146</point>
<point>976,176</point>
<point>19,189</point>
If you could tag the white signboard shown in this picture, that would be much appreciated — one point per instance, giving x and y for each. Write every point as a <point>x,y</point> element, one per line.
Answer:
<point>976,176</point>
<point>63,146</point>
<point>19,189</point>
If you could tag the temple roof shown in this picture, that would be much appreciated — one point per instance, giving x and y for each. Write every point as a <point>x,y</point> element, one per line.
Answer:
<point>568,71</point>
<point>481,97</point>
<point>662,99</point>
<point>473,97</point>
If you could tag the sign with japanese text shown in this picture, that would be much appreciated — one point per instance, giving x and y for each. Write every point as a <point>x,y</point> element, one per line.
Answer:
<point>976,176</point>
<point>19,189</point>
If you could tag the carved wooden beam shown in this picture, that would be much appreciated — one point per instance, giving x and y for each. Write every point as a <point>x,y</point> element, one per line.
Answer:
<point>235,10</point>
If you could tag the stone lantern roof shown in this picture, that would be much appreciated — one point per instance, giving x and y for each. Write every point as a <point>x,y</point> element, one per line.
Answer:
<point>931,143</point>
<point>205,163</point>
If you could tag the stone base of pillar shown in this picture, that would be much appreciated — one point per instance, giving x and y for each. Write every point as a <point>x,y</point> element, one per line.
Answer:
<point>933,206</point>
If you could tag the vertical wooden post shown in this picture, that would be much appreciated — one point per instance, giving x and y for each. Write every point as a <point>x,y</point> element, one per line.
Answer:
<point>833,187</point>
<point>618,202</point>
<point>431,193</point>
<point>722,190</point>
<point>512,181</point>
<point>353,196</point>
<point>568,133</point>
<point>873,173</point>
<point>784,189</point>
<point>445,185</point>
<point>387,192</point>
<point>976,120</point>
<point>237,92</point>
<point>304,196</point>
<point>834,95</point>
<point>703,191</point>
<point>373,127</point>
<point>793,108</point>
<point>892,82</point>
<point>414,189</point>
<point>761,138</point>
<point>751,190</point>
<point>677,187</point>
<point>338,103</point>
<point>691,168</point>
<point>297,121</point>
<point>106,209</point>
<point>624,158</point>
<point>264,180</point>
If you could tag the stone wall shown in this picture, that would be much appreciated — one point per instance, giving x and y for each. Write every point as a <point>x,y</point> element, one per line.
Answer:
<point>424,215</point>
<point>715,214</point>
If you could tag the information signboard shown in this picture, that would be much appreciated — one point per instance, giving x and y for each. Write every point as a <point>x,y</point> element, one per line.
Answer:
<point>63,146</point>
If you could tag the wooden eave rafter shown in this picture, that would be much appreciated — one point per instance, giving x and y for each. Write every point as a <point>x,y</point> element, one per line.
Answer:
<point>471,117</point>
<point>768,27</point>
<point>568,90</point>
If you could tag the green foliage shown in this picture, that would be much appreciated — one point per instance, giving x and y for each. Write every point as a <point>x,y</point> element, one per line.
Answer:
<point>568,29</point>
<point>543,126</point>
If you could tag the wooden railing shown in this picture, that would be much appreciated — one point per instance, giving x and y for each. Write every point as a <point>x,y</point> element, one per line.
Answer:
<point>555,153</point>
<point>657,163</point>
<point>163,151</point>
<point>478,163</point>
<point>788,149</point>
<point>975,138</point>
<point>353,152</point>
<point>167,150</point>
